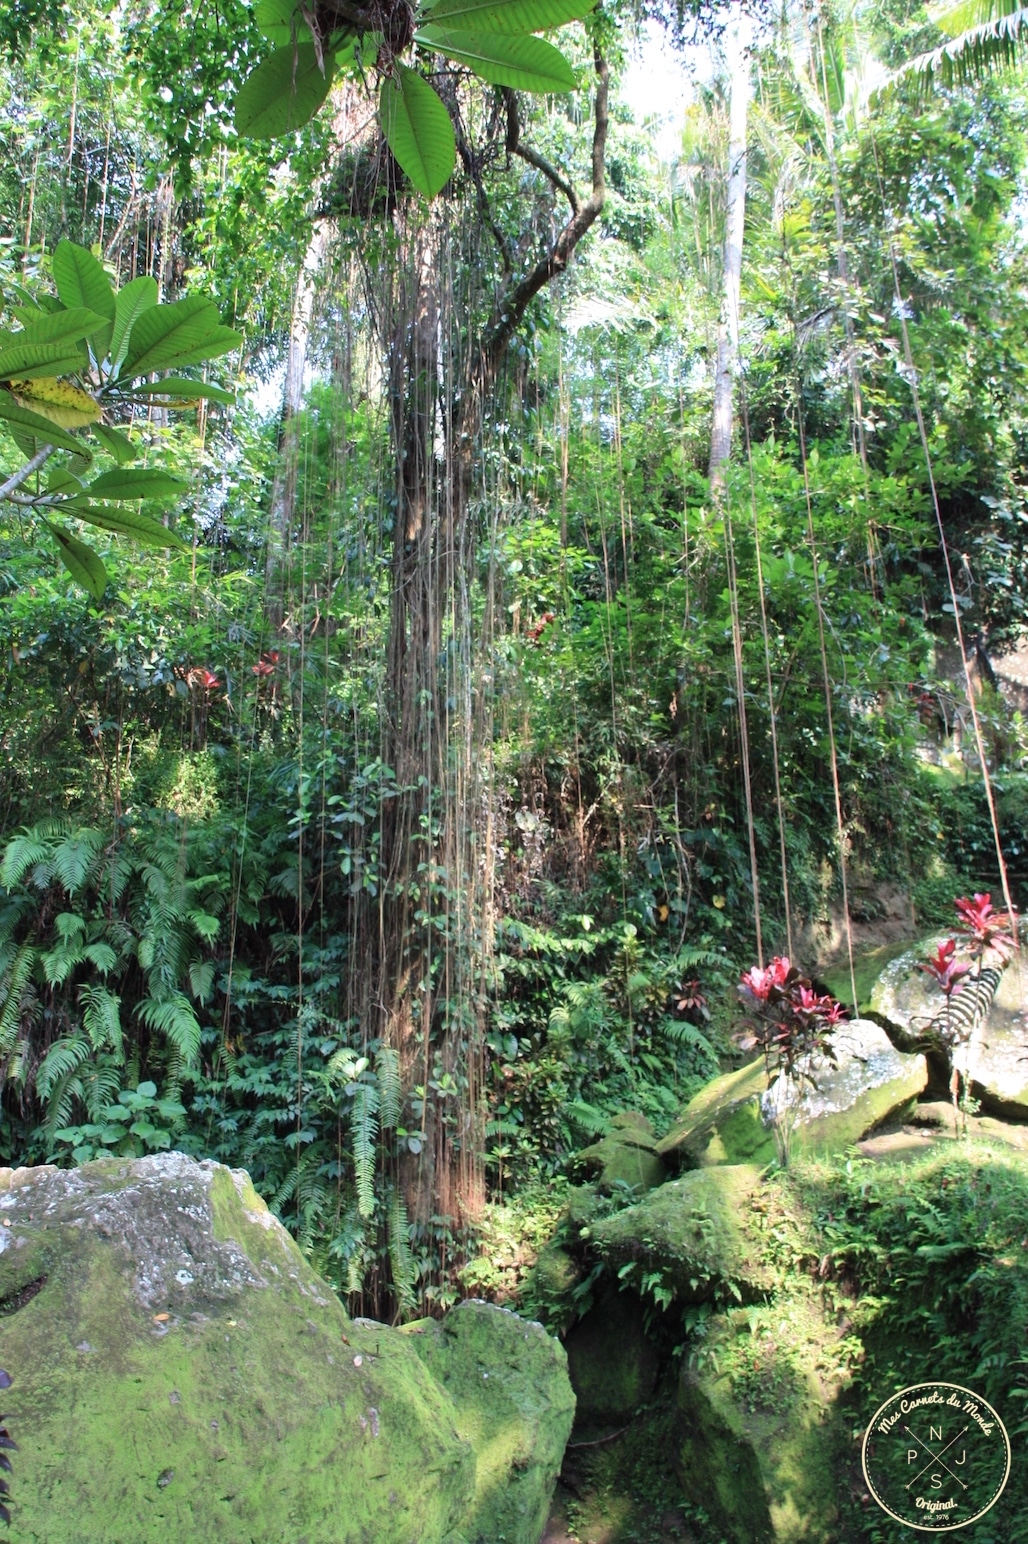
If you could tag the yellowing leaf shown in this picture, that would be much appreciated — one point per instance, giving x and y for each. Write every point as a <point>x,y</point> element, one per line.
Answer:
<point>67,406</point>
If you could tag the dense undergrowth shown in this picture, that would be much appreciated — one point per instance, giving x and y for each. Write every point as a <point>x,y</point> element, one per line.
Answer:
<point>200,865</point>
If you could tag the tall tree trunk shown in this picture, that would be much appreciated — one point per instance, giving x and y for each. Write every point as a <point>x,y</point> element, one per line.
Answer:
<point>424,938</point>
<point>738,64</point>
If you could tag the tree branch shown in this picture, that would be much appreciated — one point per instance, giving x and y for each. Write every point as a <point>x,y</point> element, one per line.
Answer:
<point>467,156</point>
<point>14,482</point>
<point>550,173</point>
<point>515,147</point>
<point>512,306</point>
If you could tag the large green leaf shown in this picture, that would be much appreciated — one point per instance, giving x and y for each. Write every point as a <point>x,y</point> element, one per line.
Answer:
<point>82,563</point>
<point>81,280</point>
<point>25,361</point>
<point>418,130</point>
<point>283,93</point>
<point>115,443</point>
<point>281,22</point>
<point>526,63</point>
<point>66,326</point>
<point>180,334</point>
<point>41,427</point>
<point>128,522</point>
<point>136,482</point>
<point>180,386</point>
<point>135,297</point>
<point>507,16</point>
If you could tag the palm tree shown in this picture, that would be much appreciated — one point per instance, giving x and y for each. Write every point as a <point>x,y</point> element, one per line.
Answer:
<point>983,38</point>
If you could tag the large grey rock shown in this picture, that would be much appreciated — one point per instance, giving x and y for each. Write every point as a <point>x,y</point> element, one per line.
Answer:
<point>181,1374</point>
<point>732,1119</point>
<point>840,1101</point>
<point>995,1056</point>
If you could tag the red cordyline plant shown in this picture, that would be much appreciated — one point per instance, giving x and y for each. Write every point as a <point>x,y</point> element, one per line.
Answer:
<point>788,1019</point>
<point>792,1024</point>
<point>986,927</point>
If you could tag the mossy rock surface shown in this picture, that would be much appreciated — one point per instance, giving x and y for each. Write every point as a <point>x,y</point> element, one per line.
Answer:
<point>180,1373</point>
<point>614,1365</point>
<point>759,1435</point>
<point>625,1155</point>
<point>730,1121</point>
<point>691,1233</point>
<point>509,1383</point>
<point>722,1123</point>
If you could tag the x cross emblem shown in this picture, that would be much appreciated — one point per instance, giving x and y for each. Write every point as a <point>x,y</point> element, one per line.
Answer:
<point>936,1458</point>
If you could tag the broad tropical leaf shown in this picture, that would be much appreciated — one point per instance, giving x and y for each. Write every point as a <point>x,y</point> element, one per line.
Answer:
<point>66,326</point>
<point>82,563</point>
<point>281,22</point>
<point>115,443</point>
<point>81,280</point>
<point>135,297</point>
<point>29,360</point>
<point>34,423</point>
<point>526,63</point>
<point>179,334</point>
<point>506,16</point>
<point>418,130</point>
<point>283,93</point>
<point>140,482</point>
<point>179,386</point>
<point>126,522</point>
<point>59,402</point>
<point>60,480</point>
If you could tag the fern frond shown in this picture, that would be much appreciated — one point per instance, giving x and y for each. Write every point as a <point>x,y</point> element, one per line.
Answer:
<point>75,857</point>
<point>59,963</point>
<point>100,1085</point>
<point>13,986</point>
<point>592,1120</point>
<point>29,849</point>
<point>365,1130</point>
<point>400,1257</point>
<point>173,1017</point>
<point>387,1065</point>
<point>63,1058</point>
<point>201,979</point>
<point>101,1018</point>
<point>102,956</point>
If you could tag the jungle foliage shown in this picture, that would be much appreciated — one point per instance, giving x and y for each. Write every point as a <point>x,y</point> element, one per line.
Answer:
<point>209,847</point>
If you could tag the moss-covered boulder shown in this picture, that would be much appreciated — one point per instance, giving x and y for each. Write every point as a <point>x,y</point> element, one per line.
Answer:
<point>722,1123</point>
<point>690,1238</point>
<point>993,1058</point>
<point>731,1120</point>
<point>182,1374</point>
<point>625,1155</point>
<point>758,1434</point>
<point>509,1384</point>
<point>614,1365</point>
<point>998,1067</point>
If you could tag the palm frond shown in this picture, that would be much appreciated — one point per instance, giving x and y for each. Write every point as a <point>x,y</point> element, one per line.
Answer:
<point>969,59</point>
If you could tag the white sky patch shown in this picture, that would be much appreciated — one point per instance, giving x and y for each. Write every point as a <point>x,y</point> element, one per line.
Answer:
<point>658,86</point>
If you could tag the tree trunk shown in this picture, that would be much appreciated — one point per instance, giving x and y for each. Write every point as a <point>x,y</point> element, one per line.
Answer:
<point>737,61</point>
<point>425,935</point>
